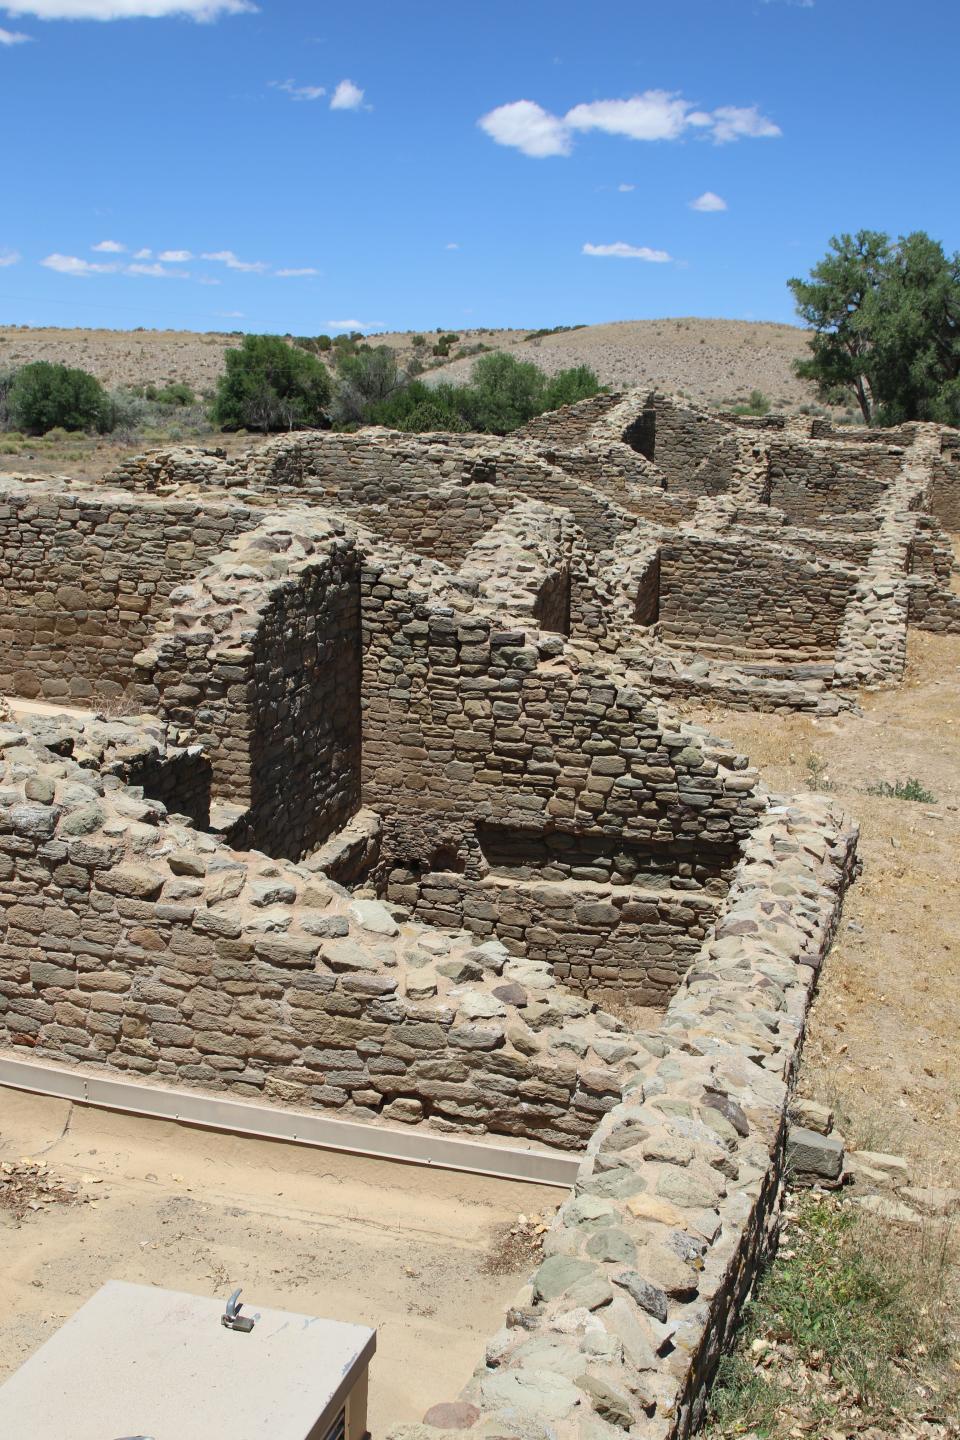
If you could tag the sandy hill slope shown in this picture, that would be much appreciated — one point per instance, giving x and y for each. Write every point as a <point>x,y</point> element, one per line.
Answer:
<point>711,360</point>
<point>714,360</point>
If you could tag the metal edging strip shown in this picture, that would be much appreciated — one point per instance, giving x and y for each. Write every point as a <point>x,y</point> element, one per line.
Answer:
<point>353,1137</point>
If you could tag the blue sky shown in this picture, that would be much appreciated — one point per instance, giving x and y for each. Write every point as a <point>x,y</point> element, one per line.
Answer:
<point>284,165</point>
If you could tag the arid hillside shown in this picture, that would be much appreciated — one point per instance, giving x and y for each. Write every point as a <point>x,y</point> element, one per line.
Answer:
<point>712,360</point>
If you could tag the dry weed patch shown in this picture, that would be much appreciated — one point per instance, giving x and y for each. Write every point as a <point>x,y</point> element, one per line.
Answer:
<point>853,1330</point>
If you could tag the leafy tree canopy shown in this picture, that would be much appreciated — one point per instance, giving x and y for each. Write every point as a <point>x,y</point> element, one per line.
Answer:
<point>42,396</point>
<point>886,322</point>
<point>270,385</point>
<point>502,395</point>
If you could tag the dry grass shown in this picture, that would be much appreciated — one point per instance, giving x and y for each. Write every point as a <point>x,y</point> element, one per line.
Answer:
<point>853,1330</point>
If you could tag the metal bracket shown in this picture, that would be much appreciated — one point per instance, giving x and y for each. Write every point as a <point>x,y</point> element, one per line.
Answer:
<point>231,1318</point>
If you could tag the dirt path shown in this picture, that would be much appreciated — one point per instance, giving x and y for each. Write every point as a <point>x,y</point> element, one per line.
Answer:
<point>397,1247</point>
<point>882,1044</point>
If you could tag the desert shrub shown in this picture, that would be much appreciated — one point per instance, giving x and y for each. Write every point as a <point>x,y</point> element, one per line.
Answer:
<point>6,380</point>
<point>569,386</point>
<point>178,392</point>
<point>909,789</point>
<point>366,378</point>
<point>756,404</point>
<point>552,330</point>
<point>270,385</point>
<point>43,395</point>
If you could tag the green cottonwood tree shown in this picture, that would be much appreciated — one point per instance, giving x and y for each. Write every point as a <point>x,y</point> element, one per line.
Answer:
<point>886,322</point>
<point>270,385</point>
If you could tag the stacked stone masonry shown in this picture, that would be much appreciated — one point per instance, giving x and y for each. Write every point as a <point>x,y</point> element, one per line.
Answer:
<point>398,821</point>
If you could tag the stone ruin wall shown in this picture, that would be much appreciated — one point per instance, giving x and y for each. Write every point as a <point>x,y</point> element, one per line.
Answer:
<point>85,578</point>
<point>261,668</point>
<point>945,489</point>
<point>649,1262</point>
<point>720,595</point>
<point>518,787</point>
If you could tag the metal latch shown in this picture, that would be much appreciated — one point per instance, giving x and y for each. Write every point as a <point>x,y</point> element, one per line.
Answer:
<point>233,1320</point>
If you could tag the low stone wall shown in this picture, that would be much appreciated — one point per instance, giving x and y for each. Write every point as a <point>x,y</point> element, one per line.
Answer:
<point>945,487</point>
<point>608,942</point>
<point>730,594</point>
<point>571,424</point>
<point>84,578</point>
<point>135,943</point>
<point>929,607</point>
<point>676,1206</point>
<point>812,478</point>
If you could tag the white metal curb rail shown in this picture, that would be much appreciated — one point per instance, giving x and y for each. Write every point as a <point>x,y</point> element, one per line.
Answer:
<point>242,1117</point>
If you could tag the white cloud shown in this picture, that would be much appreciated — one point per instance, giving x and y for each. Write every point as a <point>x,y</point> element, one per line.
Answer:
<point>708,202</point>
<point>620,250</point>
<point>109,247</point>
<point>73,265</point>
<point>452,245</point>
<point>233,262</point>
<point>13,37</point>
<point>293,272</point>
<point>175,257</point>
<point>230,314</point>
<point>156,271</point>
<point>9,257</point>
<point>625,189</point>
<point>143,254</point>
<point>354,324</point>
<point>527,127</point>
<point>652,115</point>
<point>347,96</point>
<point>202,10</point>
<point>300,92</point>
<point>734,122</point>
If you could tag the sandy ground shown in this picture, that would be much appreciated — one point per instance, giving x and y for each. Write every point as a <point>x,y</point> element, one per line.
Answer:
<point>882,1044</point>
<point>715,360</point>
<point>397,1247</point>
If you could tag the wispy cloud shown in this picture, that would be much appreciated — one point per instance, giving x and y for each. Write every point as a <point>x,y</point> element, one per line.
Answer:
<point>300,92</point>
<point>347,96</point>
<point>9,257</point>
<point>175,257</point>
<point>13,37</point>
<point>354,324</point>
<point>620,250</point>
<point>142,254</point>
<point>293,272</point>
<point>233,262</point>
<point>109,247</point>
<point>653,115</point>
<point>73,265</point>
<point>76,265</point>
<point>156,271</point>
<point>453,245</point>
<point>625,189</point>
<point>708,202</point>
<point>230,314</point>
<point>202,10</point>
